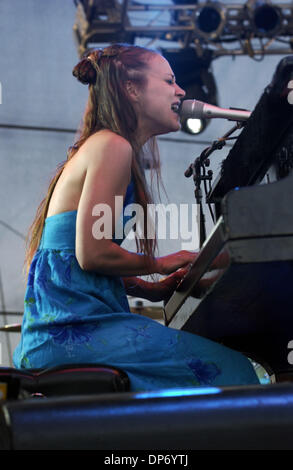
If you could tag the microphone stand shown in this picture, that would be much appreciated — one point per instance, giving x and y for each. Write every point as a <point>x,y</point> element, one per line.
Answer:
<point>198,170</point>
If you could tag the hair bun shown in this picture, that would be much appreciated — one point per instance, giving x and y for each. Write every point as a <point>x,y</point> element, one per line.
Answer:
<point>85,72</point>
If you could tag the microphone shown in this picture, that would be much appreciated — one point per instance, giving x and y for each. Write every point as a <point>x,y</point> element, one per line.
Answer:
<point>199,110</point>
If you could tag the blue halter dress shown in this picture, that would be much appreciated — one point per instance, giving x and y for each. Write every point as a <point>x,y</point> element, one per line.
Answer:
<point>72,316</point>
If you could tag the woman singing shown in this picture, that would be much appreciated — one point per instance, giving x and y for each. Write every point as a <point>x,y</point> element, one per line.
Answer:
<point>76,308</point>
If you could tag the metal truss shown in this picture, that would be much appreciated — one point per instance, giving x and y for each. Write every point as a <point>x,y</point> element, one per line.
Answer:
<point>252,28</point>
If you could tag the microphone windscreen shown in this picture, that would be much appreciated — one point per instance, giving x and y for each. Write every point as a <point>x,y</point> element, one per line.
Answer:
<point>191,109</point>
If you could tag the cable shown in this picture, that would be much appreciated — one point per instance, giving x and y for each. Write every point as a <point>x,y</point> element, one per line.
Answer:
<point>12,229</point>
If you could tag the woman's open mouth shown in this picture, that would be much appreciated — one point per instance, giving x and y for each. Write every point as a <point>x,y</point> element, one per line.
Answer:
<point>175,107</point>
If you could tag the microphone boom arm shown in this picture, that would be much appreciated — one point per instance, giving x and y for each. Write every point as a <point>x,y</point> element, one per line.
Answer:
<point>197,169</point>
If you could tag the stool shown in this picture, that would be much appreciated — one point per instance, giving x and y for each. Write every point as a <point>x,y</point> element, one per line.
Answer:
<point>63,380</point>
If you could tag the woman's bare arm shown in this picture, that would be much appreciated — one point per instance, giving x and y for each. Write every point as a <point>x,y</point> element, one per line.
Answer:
<point>108,174</point>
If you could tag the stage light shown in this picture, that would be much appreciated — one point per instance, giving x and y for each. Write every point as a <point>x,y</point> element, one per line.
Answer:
<point>210,19</point>
<point>194,75</point>
<point>178,392</point>
<point>193,126</point>
<point>266,19</point>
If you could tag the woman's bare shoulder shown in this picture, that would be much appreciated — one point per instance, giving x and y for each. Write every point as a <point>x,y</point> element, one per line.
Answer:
<point>104,151</point>
<point>106,139</point>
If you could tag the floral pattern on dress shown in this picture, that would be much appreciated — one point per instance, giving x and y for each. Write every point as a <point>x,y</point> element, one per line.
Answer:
<point>71,333</point>
<point>68,260</point>
<point>205,372</point>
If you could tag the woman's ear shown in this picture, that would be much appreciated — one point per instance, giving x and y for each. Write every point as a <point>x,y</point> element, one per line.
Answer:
<point>132,90</point>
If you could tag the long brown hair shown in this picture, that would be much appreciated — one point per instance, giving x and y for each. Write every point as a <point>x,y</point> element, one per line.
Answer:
<point>106,72</point>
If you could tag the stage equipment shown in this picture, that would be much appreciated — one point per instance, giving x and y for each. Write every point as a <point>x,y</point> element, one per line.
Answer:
<point>265,18</point>
<point>247,304</point>
<point>204,418</point>
<point>255,28</point>
<point>210,20</point>
<point>101,22</point>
